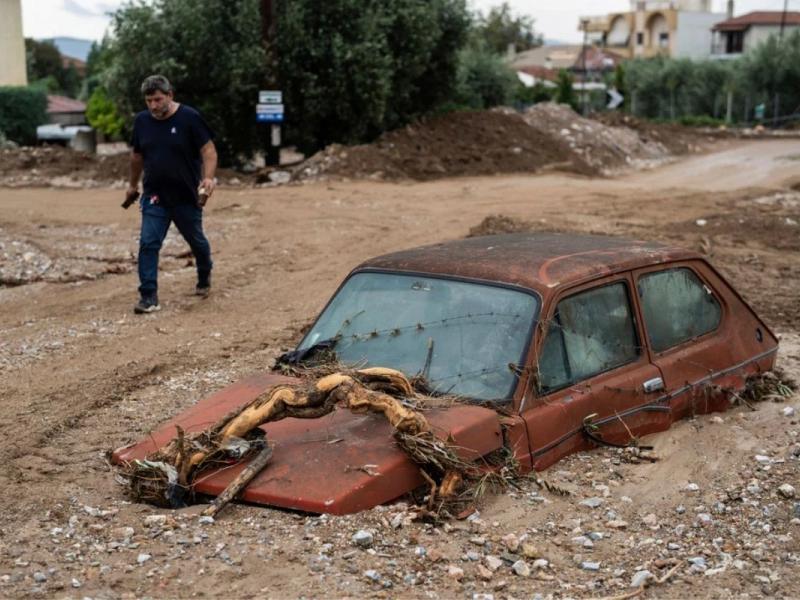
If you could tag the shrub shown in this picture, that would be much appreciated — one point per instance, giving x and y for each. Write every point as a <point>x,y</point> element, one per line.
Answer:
<point>484,80</point>
<point>102,114</point>
<point>22,109</point>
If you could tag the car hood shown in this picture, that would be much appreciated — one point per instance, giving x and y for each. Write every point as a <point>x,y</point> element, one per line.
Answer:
<point>340,463</point>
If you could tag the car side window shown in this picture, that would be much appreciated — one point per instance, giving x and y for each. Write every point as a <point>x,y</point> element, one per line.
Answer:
<point>677,307</point>
<point>591,332</point>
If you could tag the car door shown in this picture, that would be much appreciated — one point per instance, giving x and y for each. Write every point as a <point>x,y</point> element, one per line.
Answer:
<point>695,339</point>
<point>590,363</point>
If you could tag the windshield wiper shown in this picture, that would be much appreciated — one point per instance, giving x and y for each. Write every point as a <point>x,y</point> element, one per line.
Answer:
<point>306,355</point>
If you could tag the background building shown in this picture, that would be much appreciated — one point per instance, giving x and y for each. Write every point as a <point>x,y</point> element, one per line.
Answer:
<point>12,44</point>
<point>735,36</point>
<point>676,28</point>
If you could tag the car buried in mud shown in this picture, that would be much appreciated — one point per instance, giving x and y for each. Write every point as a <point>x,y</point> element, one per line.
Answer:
<point>550,342</point>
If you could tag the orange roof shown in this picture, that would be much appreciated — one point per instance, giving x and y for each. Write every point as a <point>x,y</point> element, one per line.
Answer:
<point>763,17</point>
<point>62,104</point>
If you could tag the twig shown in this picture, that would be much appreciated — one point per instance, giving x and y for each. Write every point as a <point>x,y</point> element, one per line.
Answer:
<point>241,481</point>
<point>432,483</point>
<point>641,588</point>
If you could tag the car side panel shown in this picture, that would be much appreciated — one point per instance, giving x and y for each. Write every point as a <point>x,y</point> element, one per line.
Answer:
<point>616,398</point>
<point>700,374</point>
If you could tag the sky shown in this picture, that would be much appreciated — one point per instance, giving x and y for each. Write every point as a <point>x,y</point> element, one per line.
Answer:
<point>556,19</point>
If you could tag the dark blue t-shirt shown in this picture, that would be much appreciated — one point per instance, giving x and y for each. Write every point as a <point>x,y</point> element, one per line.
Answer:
<point>171,151</point>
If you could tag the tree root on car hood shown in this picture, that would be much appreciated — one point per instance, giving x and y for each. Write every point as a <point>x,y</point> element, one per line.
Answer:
<point>166,477</point>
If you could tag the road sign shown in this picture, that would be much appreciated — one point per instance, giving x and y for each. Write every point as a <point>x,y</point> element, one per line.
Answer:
<point>269,113</point>
<point>269,108</point>
<point>759,111</point>
<point>269,117</point>
<point>614,98</point>
<point>270,97</point>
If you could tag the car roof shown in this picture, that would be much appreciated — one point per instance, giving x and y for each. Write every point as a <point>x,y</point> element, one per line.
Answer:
<point>543,262</point>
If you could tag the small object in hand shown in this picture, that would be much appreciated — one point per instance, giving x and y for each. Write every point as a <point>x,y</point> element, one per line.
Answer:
<point>130,197</point>
<point>202,197</point>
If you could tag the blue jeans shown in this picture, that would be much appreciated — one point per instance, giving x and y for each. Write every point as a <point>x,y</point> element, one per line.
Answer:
<point>156,218</point>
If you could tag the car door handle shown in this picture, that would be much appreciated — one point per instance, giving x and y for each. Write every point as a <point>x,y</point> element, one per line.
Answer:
<point>656,384</point>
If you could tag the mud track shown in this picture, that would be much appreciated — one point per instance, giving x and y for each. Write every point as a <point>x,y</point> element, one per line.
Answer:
<point>80,374</point>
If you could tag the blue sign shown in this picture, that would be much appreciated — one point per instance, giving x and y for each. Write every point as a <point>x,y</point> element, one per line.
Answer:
<point>269,117</point>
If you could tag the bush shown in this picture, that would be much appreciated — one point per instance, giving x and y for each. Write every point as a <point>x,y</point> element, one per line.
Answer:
<point>484,80</point>
<point>352,69</point>
<point>533,95</point>
<point>22,109</point>
<point>102,114</point>
<point>565,94</point>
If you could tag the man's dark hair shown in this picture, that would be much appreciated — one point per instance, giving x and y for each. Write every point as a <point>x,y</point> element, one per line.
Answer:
<point>156,83</point>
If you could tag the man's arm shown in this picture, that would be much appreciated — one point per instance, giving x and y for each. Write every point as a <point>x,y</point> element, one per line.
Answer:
<point>137,166</point>
<point>209,154</point>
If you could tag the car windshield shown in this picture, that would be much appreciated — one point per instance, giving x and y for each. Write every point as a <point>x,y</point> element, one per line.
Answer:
<point>464,338</point>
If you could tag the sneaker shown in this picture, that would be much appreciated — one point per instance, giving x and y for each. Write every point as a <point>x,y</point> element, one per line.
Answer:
<point>147,304</point>
<point>203,288</point>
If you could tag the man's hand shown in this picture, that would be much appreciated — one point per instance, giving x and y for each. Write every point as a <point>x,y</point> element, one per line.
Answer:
<point>205,190</point>
<point>131,195</point>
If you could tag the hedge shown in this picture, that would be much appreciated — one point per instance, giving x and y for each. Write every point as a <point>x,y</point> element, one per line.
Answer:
<point>21,110</point>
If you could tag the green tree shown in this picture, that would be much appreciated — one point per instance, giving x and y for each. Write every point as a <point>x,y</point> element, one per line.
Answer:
<point>211,51</point>
<point>484,80</point>
<point>565,94</point>
<point>102,114</point>
<point>22,109</point>
<point>46,69</point>
<point>500,28</point>
<point>97,63</point>
<point>351,69</point>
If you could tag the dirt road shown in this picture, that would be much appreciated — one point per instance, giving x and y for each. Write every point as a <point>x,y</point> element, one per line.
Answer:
<point>80,374</point>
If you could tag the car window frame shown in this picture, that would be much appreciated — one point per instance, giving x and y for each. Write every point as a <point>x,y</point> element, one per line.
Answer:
<point>633,309</point>
<point>527,346</point>
<point>690,266</point>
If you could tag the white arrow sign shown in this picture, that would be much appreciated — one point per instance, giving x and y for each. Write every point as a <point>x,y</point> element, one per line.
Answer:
<point>615,98</point>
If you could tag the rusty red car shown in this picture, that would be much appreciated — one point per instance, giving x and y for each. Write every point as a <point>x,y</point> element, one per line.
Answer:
<point>534,333</point>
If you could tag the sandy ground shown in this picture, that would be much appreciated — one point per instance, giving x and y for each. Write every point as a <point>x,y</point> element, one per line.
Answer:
<point>81,374</point>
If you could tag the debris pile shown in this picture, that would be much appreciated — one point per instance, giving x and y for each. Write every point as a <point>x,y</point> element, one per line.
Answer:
<point>605,149</point>
<point>60,167</point>
<point>461,143</point>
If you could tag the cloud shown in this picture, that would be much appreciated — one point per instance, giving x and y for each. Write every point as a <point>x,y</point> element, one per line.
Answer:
<point>94,9</point>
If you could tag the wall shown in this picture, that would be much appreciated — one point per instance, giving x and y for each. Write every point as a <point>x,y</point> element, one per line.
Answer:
<point>12,44</point>
<point>758,34</point>
<point>693,36</point>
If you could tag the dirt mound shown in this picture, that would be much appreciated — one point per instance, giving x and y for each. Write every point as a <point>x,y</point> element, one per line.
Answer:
<point>496,224</point>
<point>608,149</point>
<point>455,144</point>
<point>57,166</point>
<point>505,141</point>
<point>675,138</point>
<point>61,167</point>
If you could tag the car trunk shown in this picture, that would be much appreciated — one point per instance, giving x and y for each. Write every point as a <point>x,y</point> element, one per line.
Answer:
<point>340,463</point>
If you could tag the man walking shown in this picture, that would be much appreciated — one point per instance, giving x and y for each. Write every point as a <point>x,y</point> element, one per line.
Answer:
<point>173,146</point>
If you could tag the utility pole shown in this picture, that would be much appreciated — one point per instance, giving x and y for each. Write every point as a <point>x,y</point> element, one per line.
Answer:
<point>776,99</point>
<point>271,132</point>
<point>783,18</point>
<point>585,24</point>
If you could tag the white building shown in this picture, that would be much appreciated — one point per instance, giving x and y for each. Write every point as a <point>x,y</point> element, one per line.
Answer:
<point>674,28</point>
<point>733,37</point>
<point>12,44</point>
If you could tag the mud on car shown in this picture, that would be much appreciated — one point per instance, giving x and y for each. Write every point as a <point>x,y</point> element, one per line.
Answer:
<point>548,342</point>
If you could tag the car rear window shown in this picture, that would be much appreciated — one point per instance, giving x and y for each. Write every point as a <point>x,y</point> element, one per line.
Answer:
<point>677,307</point>
<point>465,338</point>
<point>591,332</point>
